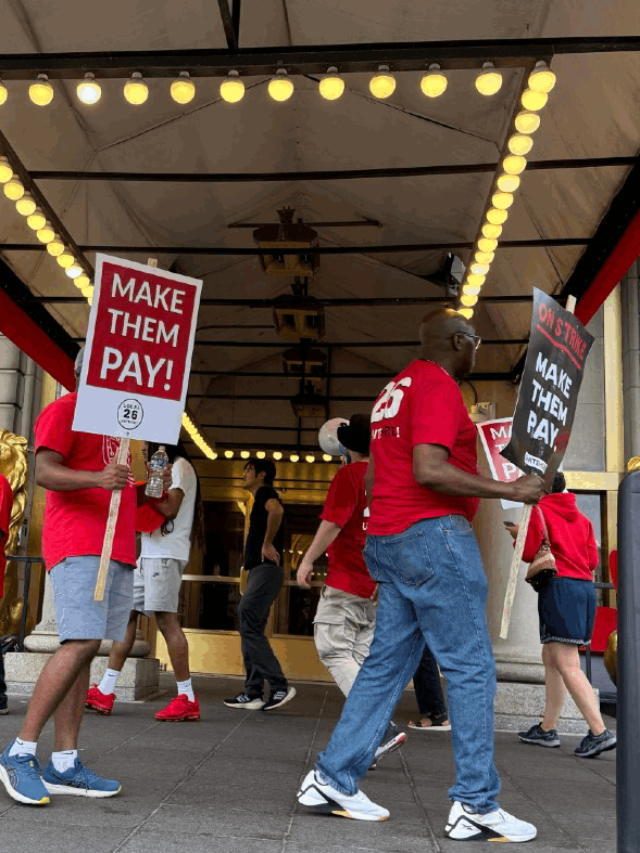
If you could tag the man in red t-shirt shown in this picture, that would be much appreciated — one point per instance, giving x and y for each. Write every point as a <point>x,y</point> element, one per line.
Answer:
<point>6,505</point>
<point>431,585</point>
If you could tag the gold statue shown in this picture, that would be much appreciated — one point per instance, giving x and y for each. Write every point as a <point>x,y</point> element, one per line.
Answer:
<point>611,657</point>
<point>14,466</point>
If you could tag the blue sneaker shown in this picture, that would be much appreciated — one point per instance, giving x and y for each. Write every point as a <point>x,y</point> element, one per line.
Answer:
<point>20,775</point>
<point>78,781</point>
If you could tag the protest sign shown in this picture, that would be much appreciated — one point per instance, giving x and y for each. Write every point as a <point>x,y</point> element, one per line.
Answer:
<point>495,435</point>
<point>135,373</point>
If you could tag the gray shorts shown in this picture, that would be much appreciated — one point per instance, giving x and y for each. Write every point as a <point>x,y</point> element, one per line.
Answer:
<point>156,584</point>
<point>79,617</point>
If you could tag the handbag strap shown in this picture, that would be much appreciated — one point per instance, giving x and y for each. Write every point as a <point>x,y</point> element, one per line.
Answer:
<point>545,529</point>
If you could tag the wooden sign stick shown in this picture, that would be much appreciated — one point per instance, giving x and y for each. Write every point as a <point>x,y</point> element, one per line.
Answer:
<point>520,543</point>
<point>114,509</point>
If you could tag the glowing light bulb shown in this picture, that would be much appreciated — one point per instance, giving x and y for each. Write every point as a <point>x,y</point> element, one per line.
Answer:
<point>260,454</point>
<point>527,122</point>
<point>479,269</point>
<point>326,457</point>
<point>508,183</point>
<point>520,144</point>
<point>232,88</point>
<point>41,92</point>
<point>487,245</point>
<point>294,457</point>
<point>497,217</point>
<point>228,454</point>
<point>467,313</point>
<point>26,205</point>
<point>533,101</point>
<point>6,172</point>
<point>65,259</point>
<point>467,300</point>
<point>484,257</point>
<point>88,90</point>
<point>136,90</point>
<point>245,454</point>
<point>14,189</point>
<point>55,247</point>
<point>542,79</point>
<point>502,201</point>
<point>331,86</point>
<point>36,220</point>
<point>489,81</point>
<point>183,90</point>
<point>280,87</point>
<point>46,234</point>
<point>513,164</point>
<point>491,231</point>
<point>475,280</point>
<point>82,281</point>
<point>471,289</point>
<point>87,291</point>
<point>310,457</point>
<point>277,455</point>
<point>74,270</point>
<point>4,93</point>
<point>434,83</point>
<point>383,84</point>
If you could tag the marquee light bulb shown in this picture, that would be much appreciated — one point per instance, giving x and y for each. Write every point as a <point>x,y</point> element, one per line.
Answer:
<point>14,189</point>
<point>82,281</point>
<point>6,172</point>
<point>514,164</point>
<point>434,83</point>
<point>489,81</point>
<point>502,201</point>
<point>508,183</point>
<point>232,88</point>
<point>228,454</point>
<point>326,457</point>
<point>491,231</point>
<point>475,280</point>
<point>542,79</point>
<point>383,84</point>
<point>331,86</point>
<point>26,205</point>
<point>46,234</point>
<point>277,455</point>
<point>497,217</point>
<point>467,313</point>
<point>87,291</point>
<point>36,220</point>
<point>526,122</point>
<point>88,90</point>
<point>245,454</point>
<point>484,257</point>
<point>136,90</point>
<point>310,458</point>
<point>55,246</point>
<point>471,289</point>
<point>4,93</point>
<point>65,260</point>
<point>487,245</point>
<point>74,270</point>
<point>468,301</point>
<point>533,101</point>
<point>294,457</point>
<point>183,90</point>
<point>280,86</point>
<point>479,269</point>
<point>520,144</point>
<point>41,92</point>
<point>260,454</point>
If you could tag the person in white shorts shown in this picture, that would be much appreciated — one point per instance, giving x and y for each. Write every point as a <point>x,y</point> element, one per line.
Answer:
<point>156,590</point>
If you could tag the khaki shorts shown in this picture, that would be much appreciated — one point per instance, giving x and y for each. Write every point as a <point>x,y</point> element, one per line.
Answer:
<point>156,584</point>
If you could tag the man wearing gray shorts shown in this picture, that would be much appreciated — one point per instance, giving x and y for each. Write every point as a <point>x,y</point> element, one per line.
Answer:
<point>79,472</point>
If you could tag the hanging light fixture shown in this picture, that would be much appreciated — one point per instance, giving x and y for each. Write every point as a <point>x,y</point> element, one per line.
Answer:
<point>519,144</point>
<point>14,189</point>
<point>41,92</point>
<point>489,81</point>
<point>331,86</point>
<point>497,217</point>
<point>36,220</point>
<point>294,457</point>
<point>277,455</point>
<point>476,280</point>
<point>514,164</point>
<point>280,86</point>
<point>490,231</point>
<point>467,313</point>
<point>487,245</point>
<point>65,260</point>
<point>88,90</point>
<point>502,201</point>
<point>4,93</point>
<point>434,83</point>
<point>55,246</point>
<point>508,183</point>
<point>533,101</point>
<point>232,88</point>
<point>542,79</point>
<point>82,280</point>
<point>527,122</point>
<point>136,90</point>
<point>228,454</point>
<point>183,90</point>
<point>468,301</point>
<point>26,205</point>
<point>6,172</point>
<point>46,234</point>
<point>383,84</point>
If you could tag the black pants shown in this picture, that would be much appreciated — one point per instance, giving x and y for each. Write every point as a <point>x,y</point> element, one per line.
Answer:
<point>3,686</point>
<point>427,687</point>
<point>265,582</point>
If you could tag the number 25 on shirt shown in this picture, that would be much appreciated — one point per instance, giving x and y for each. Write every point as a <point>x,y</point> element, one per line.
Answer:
<point>389,402</point>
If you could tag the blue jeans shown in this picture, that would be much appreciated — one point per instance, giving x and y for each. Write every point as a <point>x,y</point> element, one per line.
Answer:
<point>432,587</point>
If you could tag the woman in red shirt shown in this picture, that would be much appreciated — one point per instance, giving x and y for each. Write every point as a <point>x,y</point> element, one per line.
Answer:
<point>567,609</point>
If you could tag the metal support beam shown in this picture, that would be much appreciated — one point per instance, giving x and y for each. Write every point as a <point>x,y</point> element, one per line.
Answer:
<point>228,25</point>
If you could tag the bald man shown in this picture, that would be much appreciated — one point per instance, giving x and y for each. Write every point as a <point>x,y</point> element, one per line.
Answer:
<point>424,489</point>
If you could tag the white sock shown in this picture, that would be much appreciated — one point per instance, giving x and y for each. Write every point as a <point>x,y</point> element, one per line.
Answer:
<point>64,760</point>
<point>109,681</point>
<point>22,747</point>
<point>185,689</point>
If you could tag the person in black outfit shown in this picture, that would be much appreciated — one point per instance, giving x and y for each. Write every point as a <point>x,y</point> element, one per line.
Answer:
<point>429,696</point>
<point>262,559</point>
<point>3,687</point>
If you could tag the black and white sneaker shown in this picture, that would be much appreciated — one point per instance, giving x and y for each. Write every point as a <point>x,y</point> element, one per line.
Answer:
<point>3,705</point>
<point>387,748</point>
<point>466,825</point>
<point>325,799</point>
<point>537,735</point>
<point>592,745</point>
<point>279,698</point>
<point>242,700</point>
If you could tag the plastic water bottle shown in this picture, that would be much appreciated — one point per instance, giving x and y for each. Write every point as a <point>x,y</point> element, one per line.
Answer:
<point>154,488</point>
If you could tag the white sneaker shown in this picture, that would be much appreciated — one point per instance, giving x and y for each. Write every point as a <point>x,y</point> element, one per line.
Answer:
<point>466,825</point>
<point>325,799</point>
<point>387,748</point>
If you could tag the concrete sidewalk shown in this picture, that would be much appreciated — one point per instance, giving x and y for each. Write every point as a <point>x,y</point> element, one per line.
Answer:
<point>229,782</point>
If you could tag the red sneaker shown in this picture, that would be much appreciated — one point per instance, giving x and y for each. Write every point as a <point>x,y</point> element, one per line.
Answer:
<point>98,701</point>
<point>180,710</point>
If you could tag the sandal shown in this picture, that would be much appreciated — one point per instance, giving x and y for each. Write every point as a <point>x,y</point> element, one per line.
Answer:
<point>436,722</point>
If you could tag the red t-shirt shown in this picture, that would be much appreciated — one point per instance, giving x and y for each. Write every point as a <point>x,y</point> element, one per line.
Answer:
<point>423,405</point>
<point>345,506</point>
<point>6,505</point>
<point>75,522</point>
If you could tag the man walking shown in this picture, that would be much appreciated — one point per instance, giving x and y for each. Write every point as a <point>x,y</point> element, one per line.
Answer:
<point>262,559</point>
<point>422,552</point>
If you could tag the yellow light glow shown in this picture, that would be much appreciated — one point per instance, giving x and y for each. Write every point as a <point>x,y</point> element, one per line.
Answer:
<point>383,84</point>
<point>475,280</point>
<point>82,281</point>
<point>542,79</point>
<point>489,81</point>
<point>14,189</point>
<point>502,201</point>
<point>41,92</point>
<point>467,313</point>
<point>326,457</point>
<point>434,83</point>
<point>136,90</point>
<point>486,244</point>
<point>260,454</point>
<point>520,144</point>
<point>491,231</point>
<point>280,87</point>
<point>471,289</point>
<point>497,217</point>
<point>245,454</point>
<point>4,93</point>
<point>74,270</point>
<point>484,257</point>
<point>331,86</point>
<point>468,301</point>
<point>310,457</point>
<point>87,290</point>
<point>65,260</point>
<point>228,454</point>
<point>232,88</point>
<point>183,90</point>
<point>47,234</point>
<point>26,205</point>
<point>527,122</point>
<point>479,269</point>
<point>508,183</point>
<point>6,172</point>
<point>88,91</point>
<point>514,164</point>
<point>55,246</point>
<point>294,457</point>
<point>36,220</point>
<point>533,101</point>
<point>277,455</point>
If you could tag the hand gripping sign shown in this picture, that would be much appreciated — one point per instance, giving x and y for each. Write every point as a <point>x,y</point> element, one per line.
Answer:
<point>546,406</point>
<point>135,372</point>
